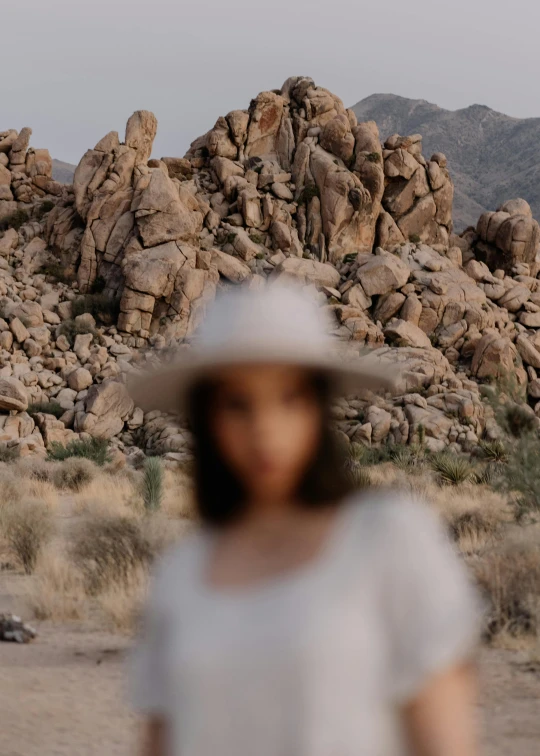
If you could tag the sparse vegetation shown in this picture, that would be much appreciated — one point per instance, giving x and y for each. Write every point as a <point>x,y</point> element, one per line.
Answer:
<point>94,449</point>
<point>452,469</point>
<point>26,525</point>
<point>9,453</point>
<point>414,239</point>
<point>70,328</point>
<point>101,306</point>
<point>307,193</point>
<point>374,157</point>
<point>108,549</point>
<point>44,208</point>
<point>47,408</point>
<point>152,487</point>
<point>58,272</point>
<point>15,220</point>
<point>74,474</point>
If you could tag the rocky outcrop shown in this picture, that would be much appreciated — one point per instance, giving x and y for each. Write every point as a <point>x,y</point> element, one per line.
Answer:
<point>25,173</point>
<point>291,188</point>
<point>508,236</point>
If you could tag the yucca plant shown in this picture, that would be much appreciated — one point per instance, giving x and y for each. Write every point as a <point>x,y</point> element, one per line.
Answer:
<point>152,485</point>
<point>495,450</point>
<point>451,469</point>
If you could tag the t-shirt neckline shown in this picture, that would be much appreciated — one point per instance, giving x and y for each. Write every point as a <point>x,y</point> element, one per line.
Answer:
<point>305,572</point>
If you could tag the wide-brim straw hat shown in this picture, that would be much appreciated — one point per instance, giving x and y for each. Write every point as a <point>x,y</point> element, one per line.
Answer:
<point>277,324</point>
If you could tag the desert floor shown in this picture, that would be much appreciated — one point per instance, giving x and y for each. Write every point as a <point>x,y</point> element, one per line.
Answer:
<point>65,693</point>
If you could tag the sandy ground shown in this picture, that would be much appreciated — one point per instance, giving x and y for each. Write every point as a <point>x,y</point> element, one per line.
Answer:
<point>65,694</point>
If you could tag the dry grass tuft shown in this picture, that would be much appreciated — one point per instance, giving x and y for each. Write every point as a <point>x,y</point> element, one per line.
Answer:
<point>58,590</point>
<point>107,549</point>
<point>27,526</point>
<point>510,579</point>
<point>115,495</point>
<point>121,603</point>
<point>74,474</point>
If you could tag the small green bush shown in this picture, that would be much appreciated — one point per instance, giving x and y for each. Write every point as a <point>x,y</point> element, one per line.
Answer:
<point>229,239</point>
<point>152,486</point>
<point>350,257</point>
<point>101,306</point>
<point>414,239</point>
<point>47,408</point>
<point>374,157</point>
<point>74,473</point>
<point>307,193</point>
<point>98,285</point>
<point>44,208</point>
<point>451,469</point>
<point>15,220</point>
<point>94,449</point>
<point>495,450</point>
<point>70,329</point>
<point>57,271</point>
<point>27,526</point>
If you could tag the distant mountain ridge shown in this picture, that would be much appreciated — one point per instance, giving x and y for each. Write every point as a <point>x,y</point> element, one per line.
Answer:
<point>492,157</point>
<point>63,172</point>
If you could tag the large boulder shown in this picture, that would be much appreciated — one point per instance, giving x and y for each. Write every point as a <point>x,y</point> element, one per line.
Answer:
<point>13,395</point>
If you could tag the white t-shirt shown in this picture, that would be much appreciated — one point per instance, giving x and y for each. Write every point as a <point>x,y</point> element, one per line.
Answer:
<point>315,663</point>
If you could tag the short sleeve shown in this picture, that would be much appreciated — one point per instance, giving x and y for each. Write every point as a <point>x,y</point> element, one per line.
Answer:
<point>147,664</point>
<point>433,611</point>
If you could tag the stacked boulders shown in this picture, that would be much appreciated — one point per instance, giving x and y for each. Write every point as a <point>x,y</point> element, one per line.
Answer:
<point>25,173</point>
<point>292,188</point>
<point>133,229</point>
<point>418,196</point>
<point>508,236</point>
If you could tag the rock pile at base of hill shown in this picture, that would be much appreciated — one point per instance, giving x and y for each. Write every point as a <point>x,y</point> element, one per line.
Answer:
<point>106,276</point>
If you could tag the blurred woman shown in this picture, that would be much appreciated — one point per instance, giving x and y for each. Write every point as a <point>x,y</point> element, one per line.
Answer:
<point>301,618</point>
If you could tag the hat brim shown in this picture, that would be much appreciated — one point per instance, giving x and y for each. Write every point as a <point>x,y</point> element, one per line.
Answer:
<point>167,388</point>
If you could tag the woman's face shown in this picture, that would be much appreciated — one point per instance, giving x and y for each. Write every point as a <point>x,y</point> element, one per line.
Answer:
<point>266,421</point>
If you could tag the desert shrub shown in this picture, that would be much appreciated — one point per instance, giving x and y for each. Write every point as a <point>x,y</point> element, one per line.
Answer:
<point>257,238</point>
<point>510,581</point>
<point>360,476</point>
<point>374,157</point>
<point>108,549</point>
<point>9,453</point>
<point>27,526</point>
<point>152,486</point>
<point>350,257</point>
<point>48,408</point>
<point>94,449</point>
<point>414,239</point>
<point>44,208</point>
<point>74,474</point>
<point>15,220</point>
<point>519,419</point>
<point>37,469</point>
<point>229,239</point>
<point>474,528</point>
<point>69,328</point>
<point>101,306</point>
<point>520,475</point>
<point>411,459</point>
<point>57,271</point>
<point>98,285</point>
<point>307,193</point>
<point>487,475</point>
<point>495,450</point>
<point>57,591</point>
<point>451,469</point>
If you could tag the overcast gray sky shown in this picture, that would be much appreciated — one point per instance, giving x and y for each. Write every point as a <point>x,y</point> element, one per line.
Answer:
<point>75,69</point>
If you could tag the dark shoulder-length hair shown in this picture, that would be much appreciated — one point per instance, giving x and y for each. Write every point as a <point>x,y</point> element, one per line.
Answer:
<point>220,498</point>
